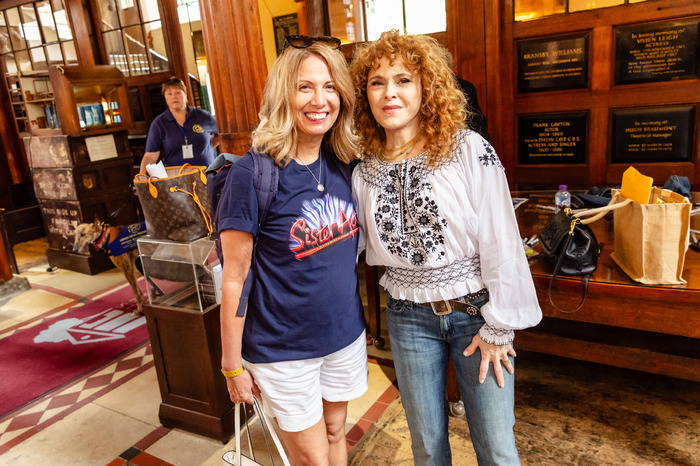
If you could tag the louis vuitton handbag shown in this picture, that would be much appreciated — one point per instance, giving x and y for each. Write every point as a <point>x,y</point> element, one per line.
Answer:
<point>176,208</point>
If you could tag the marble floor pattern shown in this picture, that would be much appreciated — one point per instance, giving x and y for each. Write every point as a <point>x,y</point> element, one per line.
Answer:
<point>110,416</point>
<point>567,412</point>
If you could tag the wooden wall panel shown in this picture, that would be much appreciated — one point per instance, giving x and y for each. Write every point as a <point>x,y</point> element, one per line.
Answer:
<point>601,96</point>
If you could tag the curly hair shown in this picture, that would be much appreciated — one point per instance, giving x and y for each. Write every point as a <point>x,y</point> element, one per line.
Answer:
<point>276,133</point>
<point>443,107</point>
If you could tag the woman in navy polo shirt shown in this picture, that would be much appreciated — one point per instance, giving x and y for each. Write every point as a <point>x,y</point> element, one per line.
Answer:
<point>301,343</point>
<point>181,134</point>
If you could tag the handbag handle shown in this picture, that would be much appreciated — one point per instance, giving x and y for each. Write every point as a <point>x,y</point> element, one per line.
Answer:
<point>557,267</point>
<point>207,217</point>
<point>595,215</point>
<point>266,426</point>
<point>600,212</point>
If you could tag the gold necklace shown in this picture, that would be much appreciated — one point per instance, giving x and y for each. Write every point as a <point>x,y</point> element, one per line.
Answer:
<point>412,141</point>
<point>403,150</point>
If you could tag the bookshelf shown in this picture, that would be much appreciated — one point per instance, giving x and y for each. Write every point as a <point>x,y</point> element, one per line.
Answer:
<point>33,103</point>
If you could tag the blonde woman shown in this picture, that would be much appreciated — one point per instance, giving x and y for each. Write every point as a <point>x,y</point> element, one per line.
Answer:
<point>301,344</point>
<point>435,209</point>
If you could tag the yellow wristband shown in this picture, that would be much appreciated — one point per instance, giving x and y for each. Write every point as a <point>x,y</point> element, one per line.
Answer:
<point>230,374</point>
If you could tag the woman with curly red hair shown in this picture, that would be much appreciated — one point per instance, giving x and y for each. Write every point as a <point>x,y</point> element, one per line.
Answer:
<point>435,209</point>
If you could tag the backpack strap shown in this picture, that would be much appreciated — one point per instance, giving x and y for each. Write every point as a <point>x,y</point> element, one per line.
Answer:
<point>265,181</point>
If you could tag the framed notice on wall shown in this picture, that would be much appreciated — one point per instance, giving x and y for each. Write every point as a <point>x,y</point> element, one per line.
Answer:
<point>662,134</point>
<point>552,138</point>
<point>552,64</point>
<point>657,52</point>
<point>285,25</point>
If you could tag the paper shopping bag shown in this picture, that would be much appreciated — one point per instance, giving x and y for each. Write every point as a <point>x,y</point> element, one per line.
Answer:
<point>651,239</point>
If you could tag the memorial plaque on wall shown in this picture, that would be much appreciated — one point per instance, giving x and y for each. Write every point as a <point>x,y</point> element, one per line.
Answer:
<point>554,138</point>
<point>657,52</point>
<point>663,134</point>
<point>285,25</point>
<point>551,64</point>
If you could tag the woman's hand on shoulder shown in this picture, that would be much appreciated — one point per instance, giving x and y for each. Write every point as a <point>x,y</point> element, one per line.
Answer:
<point>242,388</point>
<point>496,354</point>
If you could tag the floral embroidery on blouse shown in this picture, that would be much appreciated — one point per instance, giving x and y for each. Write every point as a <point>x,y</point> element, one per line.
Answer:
<point>408,220</point>
<point>490,157</point>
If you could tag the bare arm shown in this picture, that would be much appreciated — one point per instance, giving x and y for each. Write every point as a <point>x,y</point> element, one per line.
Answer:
<point>148,157</point>
<point>237,247</point>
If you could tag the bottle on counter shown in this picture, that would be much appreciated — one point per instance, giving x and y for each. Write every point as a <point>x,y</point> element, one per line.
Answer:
<point>562,199</point>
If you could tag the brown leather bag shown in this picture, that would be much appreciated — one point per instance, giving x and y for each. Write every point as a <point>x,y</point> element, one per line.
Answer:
<point>176,208</point>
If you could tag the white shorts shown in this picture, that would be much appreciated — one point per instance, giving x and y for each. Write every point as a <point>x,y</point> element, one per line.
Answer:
<point>293,391</point>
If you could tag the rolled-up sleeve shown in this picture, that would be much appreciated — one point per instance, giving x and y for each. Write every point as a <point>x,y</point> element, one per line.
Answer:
<point>238,207</point>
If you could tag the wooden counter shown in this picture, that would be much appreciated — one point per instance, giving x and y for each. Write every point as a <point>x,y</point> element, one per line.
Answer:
<point>651,328</point>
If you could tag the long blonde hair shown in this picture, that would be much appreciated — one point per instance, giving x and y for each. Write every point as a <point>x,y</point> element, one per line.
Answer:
<point>443,107</point>
<point>277,133</point>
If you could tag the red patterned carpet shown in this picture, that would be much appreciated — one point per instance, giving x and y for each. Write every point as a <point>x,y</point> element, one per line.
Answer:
<point>62,348</point>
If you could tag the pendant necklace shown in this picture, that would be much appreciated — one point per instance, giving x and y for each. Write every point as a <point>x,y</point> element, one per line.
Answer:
<point>319,186</point>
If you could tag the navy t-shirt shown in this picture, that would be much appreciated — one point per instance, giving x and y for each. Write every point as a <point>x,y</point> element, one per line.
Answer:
<point>305,302</point>
<point>168,137</point>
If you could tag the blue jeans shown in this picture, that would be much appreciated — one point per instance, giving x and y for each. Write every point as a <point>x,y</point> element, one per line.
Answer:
<point>421,343</point>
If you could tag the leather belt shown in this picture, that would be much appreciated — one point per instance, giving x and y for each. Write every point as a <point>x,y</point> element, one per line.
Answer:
<point>463,304</point>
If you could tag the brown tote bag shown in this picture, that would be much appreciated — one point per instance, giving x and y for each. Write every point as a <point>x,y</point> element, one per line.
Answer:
<point>176,208</point>
<point>651,239</point>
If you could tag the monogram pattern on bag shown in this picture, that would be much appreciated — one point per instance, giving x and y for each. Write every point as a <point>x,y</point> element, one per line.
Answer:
<point>175,216</point>
<point>433,278</point>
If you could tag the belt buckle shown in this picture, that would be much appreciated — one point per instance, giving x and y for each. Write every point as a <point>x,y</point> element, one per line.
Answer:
<point>441,308</point>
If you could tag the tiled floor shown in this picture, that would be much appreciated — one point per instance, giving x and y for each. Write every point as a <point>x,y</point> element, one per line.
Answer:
<point>110,417</point>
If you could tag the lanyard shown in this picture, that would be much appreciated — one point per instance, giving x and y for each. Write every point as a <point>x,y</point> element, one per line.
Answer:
<point>182,130</point>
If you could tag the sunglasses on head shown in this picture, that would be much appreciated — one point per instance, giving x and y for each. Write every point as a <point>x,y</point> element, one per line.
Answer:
<point>301,42</point>
<point>174,81</point>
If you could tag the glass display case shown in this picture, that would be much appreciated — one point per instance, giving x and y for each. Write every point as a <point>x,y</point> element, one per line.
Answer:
<point>179,274</point>
<point>90,99</point>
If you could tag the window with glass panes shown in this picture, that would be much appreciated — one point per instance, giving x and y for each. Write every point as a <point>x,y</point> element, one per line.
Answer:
<point>363,20</point>
<point>133,35</point>
<point>534,9</point>
<point>34,36</point>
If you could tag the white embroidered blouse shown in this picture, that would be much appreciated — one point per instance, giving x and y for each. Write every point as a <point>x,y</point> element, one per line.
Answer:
<point>446,231</point>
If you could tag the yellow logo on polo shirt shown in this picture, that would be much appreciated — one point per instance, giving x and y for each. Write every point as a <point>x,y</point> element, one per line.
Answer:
<point>198,129</point>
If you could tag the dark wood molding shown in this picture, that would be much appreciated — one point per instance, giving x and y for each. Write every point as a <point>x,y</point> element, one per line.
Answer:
<point>101,57</point>
<point>618,15</point>
<point>78,18</point>
<point>16,168</point>
<point>174,45</point>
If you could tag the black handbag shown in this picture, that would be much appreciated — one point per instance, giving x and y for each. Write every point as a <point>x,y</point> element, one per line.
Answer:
<point>572,248</point>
